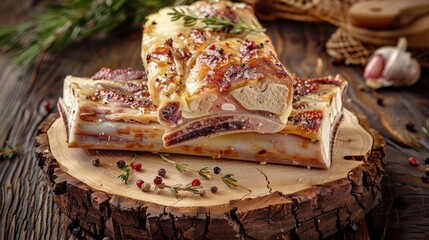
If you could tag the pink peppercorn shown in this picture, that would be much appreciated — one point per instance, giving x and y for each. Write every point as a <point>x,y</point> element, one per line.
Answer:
<point>412,161</point>
<point>139,183</point>
<point>157,180</point>
<point>196,183</point>
<point>137,166</point>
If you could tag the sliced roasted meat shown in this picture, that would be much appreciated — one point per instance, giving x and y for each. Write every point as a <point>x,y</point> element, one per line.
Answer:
<point>207,83</point>
<point>119,115</point>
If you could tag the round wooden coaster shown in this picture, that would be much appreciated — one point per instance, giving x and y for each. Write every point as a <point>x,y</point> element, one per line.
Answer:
<point>284,200</point>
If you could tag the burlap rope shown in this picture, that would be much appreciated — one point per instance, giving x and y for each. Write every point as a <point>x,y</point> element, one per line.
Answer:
<point>341,45</point>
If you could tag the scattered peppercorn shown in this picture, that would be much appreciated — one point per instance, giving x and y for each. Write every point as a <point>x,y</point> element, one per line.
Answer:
<point>412,161</point>
<point>139,183</point>
<point>47,106</point>
<point>380,102</point>
<point>217,170</point>
<point>120,164</point>
<point>157,181</point>
<point>260,45</point>
<point>427,161</point>
<point>162,172</point>
<point>212,47</point>
<point>250,44</point>
<point>425,179</point>
<point>242,65</point>
<point>202,193</point>
<point>410,127</point>
<point>220,50</point>
<point>146,187</point>
<point>213,189</point>
<point>196,183</point>
<point>137,166</point>
<point>96,162</point>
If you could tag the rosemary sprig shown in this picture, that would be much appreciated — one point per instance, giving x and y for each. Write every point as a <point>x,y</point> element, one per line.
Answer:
<point>205,173</point>
<point>54,27</point>
<point>215,23</point>
<point>8,152</point>
<point>187,188</point>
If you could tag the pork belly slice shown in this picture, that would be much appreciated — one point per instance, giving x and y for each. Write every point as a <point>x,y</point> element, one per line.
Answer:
<point>119,115</point>
<point>208,83</point>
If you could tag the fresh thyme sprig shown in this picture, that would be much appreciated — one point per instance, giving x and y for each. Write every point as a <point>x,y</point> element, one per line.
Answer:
<point>215,23</point>
<point>205,173</point>
<point>125,175</point>
<point>187,188</point>
<point>54,27</point>
<point>8,152</point>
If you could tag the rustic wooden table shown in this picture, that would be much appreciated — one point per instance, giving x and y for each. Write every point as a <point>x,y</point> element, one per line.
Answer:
<point>27,209</point>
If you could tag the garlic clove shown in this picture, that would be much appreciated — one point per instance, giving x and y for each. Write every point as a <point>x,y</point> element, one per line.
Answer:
<point>414,73</point>
<point>374,68</point>
<point>392,66</point>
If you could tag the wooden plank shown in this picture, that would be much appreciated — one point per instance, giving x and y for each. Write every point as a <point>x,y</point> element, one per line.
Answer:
<point>284,200</point>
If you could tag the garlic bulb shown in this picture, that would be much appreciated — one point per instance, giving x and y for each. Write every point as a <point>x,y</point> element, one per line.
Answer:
<point>392,66</point>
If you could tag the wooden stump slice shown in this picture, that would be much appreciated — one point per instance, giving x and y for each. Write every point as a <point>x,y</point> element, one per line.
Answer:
<point>285,201</point>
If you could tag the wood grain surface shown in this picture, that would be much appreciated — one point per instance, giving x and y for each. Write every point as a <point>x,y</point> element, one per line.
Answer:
<point>285,201</point>
<point>27,210</point>
<point>284,179</point>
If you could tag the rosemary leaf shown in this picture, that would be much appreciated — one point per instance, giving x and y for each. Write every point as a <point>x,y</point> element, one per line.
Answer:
<point>54,27</point>
<point>214,23</point>
<point>133,160</point>
<point>203,172</point>
<point>174,191</point>
<point>8,152</point>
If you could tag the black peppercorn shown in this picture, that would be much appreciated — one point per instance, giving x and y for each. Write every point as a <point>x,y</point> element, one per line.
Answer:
<point>213,189</point>
<point>410,127</point>
<point>216,170</point>
<point>202,193</point>
<point>96,162</point>
<point>120,164</point>
<point>162,172</point>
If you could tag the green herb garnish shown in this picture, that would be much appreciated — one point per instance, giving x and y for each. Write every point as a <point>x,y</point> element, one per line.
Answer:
<point>8,152</point>
<point>215,23</point>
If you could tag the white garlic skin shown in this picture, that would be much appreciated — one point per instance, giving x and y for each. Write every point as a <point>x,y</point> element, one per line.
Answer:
<point>391,66</point>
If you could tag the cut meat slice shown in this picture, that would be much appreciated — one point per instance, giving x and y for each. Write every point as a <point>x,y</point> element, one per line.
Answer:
<point>119,115</point>
<point>209,83</point>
